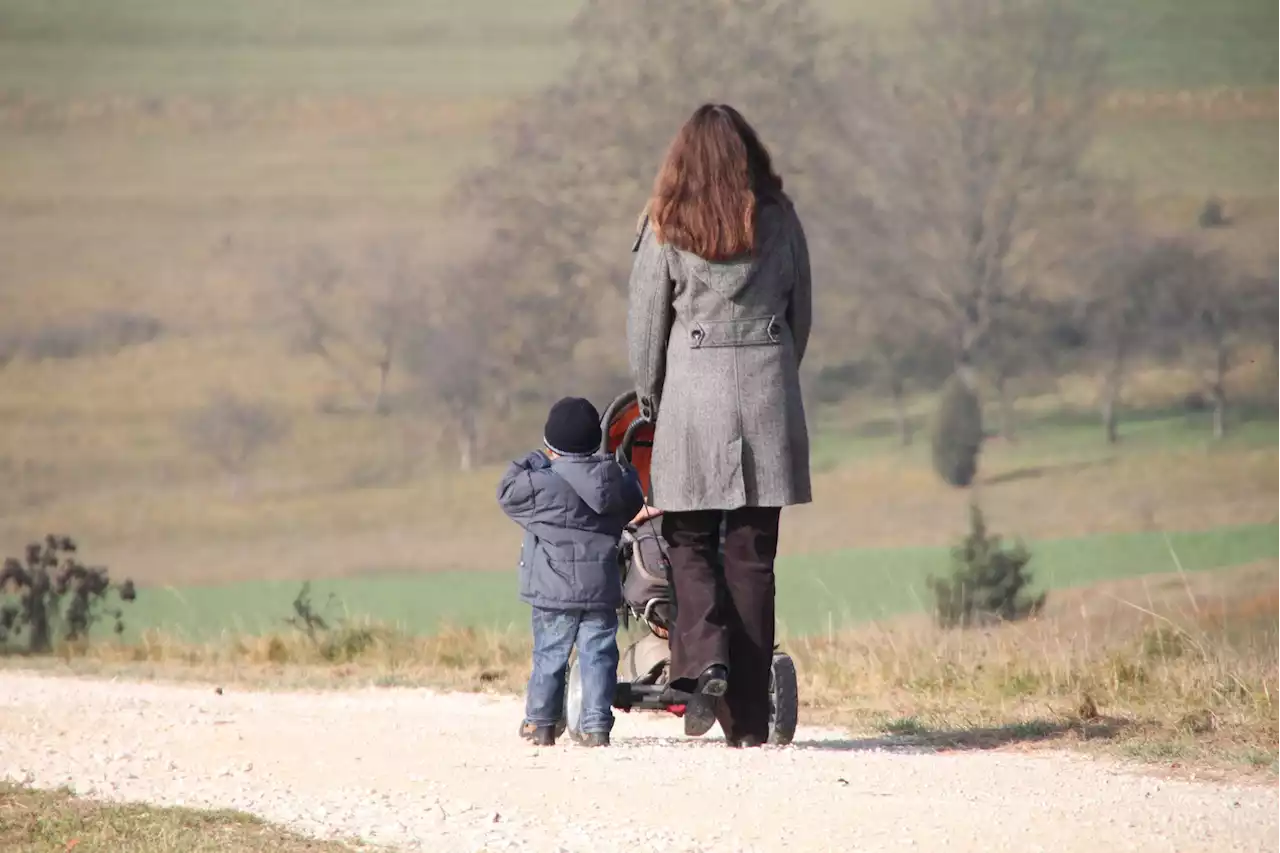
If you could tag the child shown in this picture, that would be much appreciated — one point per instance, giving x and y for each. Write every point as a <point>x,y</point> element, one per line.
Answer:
<point>573,505</point>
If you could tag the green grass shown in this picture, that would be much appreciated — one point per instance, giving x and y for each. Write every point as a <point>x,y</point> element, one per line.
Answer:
<point>1174,44</point>
<point>33,821</point>
<point>1191,156</point>
<point>183,46</point>
<point>153,47</point>
<point>815,593</point>
<point>1062,436</point>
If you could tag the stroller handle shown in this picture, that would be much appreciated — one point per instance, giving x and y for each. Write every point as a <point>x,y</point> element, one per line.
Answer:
<point>623,453</point>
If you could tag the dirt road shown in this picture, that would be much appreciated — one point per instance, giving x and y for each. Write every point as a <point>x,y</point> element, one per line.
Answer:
<point>422,771</point>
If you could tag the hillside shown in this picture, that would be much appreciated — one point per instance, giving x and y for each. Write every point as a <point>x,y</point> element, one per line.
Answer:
<point>170,159</point>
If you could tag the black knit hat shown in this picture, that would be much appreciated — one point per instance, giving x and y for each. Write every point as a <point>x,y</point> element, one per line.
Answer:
<point>573,428</point>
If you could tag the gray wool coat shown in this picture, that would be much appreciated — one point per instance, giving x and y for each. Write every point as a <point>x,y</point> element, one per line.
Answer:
<point>715,351</point>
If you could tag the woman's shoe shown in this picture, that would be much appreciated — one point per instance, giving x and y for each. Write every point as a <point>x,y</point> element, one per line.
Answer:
<point>593,739</point>
<point>714,680</point>
<point>700,712</point>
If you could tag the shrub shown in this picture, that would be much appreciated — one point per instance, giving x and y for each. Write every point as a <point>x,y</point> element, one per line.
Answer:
<point>10,346</point>
<point>55,590</point>
<point>340,643</point>
<point>1212,214</point>
<point>988,582</point>
<point>957,433</point>
<point>232,431</point>
<point>106,333</point>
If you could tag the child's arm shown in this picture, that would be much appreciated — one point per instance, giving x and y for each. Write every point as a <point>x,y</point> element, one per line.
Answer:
<point>633,490</point>
<point>517,493</point>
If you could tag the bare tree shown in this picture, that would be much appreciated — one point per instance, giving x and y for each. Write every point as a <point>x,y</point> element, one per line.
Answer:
<point>1020,341</point>
<point>1269,283</point>
<point>1129,279</point>
<point>974,157</point>
<point>231,432</point>
<point>572,172</point>
<point>355,315</point>
<point>575,164</point>
<point>1219,310</point>
<point>897,345</point>
<point>452,368</point>
<point>475,344</point>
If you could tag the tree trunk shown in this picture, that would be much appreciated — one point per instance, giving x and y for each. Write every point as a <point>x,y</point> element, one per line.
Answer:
<point>380,405</point>
<point>466,441</point>
<point>1219,391</point>
<point>1006,408</point>
<point>966,374</point>
<point>1273,386</point>
<point>40,638</point>
<point>1109,431</point>
<point>1110,396</point>
<point>900,411</point>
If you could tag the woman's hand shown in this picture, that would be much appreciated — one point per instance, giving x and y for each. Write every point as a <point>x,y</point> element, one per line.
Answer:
<point>645,514</point>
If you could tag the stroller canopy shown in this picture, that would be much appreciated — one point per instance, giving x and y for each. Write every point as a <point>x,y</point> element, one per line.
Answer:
<point>637,443</point>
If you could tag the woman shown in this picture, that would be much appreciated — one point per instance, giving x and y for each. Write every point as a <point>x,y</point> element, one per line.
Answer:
<point>717,326</point>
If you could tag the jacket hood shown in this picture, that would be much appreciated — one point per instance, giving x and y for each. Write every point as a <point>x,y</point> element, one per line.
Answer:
<point>599,480</point>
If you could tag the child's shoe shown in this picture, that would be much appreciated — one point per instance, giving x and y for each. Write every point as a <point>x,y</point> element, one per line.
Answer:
<point>538,735</point>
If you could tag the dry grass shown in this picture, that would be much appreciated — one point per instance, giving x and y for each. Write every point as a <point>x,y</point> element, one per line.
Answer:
<point>355,654</point>
<point>56,822</point>
<point>1171,669</point>
<point>1176,670</point>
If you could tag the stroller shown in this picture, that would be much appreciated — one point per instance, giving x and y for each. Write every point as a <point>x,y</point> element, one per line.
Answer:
<point>643,669</point>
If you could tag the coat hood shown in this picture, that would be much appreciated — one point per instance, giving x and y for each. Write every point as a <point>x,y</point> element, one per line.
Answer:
<point>599,480</point>
<point>730,278</point>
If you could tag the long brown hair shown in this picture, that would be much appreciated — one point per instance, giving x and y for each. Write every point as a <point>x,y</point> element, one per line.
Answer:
<point>715,174</point>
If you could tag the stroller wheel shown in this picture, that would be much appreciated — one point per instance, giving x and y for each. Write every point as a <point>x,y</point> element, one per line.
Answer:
<point>572,720</point>
<point>784,700</point>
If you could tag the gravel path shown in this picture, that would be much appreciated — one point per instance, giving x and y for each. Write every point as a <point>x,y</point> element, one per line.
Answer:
<point>423,771</point>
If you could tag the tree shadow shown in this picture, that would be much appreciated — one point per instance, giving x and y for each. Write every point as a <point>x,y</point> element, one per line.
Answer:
<point>1035,472</point>
<point>975,739</point>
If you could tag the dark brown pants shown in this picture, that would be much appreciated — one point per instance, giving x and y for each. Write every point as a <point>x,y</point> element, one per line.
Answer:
<point>725,609</point>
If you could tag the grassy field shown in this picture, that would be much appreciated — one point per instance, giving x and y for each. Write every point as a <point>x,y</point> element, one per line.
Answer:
<point>141,504</point>
<point>150,46</point>
<point>172,157</point>
<point>833,590</point>
<point>56,822</point>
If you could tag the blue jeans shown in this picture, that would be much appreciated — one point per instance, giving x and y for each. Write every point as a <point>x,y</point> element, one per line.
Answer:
<point>555,633</point>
